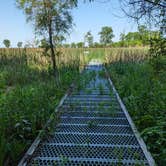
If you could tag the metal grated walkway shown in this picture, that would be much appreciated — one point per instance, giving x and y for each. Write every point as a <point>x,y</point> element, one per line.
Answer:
<point>94,129</point>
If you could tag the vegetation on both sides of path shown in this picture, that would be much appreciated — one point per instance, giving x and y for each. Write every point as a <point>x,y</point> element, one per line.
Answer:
<point>29,94</point>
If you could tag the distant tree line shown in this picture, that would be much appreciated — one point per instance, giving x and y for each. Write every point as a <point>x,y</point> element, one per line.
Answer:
<point>7,43</point>
<point>142,37</point>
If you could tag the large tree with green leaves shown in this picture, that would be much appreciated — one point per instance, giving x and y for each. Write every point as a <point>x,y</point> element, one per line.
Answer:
<point>106,35</point>
<point>51,19</point>
<point>7,43</point>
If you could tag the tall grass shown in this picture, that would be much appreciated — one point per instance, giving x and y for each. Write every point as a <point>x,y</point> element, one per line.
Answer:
<point>142,89</point>
<point>126,54</point>
<point>29,94</point>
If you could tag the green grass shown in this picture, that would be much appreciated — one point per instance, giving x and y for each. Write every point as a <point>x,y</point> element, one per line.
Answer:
<point>143,92</point>
<point>28,96</point>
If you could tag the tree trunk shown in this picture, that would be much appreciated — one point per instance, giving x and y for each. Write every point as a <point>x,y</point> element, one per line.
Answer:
<point>52,51</point>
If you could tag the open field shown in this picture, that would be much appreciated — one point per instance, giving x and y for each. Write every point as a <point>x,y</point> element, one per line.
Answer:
<point>29,94</point>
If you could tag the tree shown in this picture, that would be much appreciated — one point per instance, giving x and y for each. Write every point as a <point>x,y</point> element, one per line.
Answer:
<point>152,10</point>
<point>6,42</point>
<point>44,43</point>
<point>122,36</point>
<point>34,43</point>
<point>80,44</point>
<point>122,40</point>
<point>131,36</point>
<point>66,45</point>
<point>144,34</point>
<point>106,35</point>
<point>73,45</point>
<point>97,45</point>
<point>58,40</point>
<point>88,39</point>
<point>51,18</point>
<point>19,44</point>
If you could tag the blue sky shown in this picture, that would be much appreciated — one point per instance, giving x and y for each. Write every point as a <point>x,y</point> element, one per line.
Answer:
<point>87,16</point>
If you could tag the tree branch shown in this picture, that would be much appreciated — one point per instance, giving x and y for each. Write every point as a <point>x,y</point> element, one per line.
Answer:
<point>159,4</point>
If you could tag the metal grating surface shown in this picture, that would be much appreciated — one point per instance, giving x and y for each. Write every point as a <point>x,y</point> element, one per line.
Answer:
<point>93,130</point>
<point>111,108</point>
<point>84,162</point>
<point>93,114</point>
<point>90,151</point>
<point>96,120</point>
<point>84,138</point>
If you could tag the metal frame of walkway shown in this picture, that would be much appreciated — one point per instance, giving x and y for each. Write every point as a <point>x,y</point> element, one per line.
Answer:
<point>95,129</point>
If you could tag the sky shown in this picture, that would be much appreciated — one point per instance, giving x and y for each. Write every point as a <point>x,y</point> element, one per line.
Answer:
<point>86,17</point>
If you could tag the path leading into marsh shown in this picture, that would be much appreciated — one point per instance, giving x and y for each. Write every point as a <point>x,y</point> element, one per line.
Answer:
<point>94,128</point>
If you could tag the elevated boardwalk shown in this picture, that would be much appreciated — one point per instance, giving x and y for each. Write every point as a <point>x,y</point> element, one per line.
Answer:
<point>95,129</point>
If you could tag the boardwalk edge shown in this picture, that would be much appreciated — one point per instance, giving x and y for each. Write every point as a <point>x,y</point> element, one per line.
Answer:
<point>147,154</point>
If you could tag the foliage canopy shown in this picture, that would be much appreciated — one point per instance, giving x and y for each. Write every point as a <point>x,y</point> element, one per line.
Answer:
<point>106,35</point>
